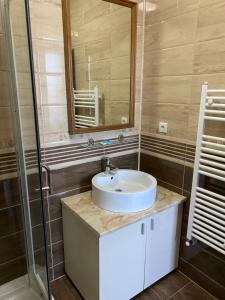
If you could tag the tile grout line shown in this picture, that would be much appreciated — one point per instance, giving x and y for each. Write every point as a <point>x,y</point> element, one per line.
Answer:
<point>179,290</point>
<point>192,281</point>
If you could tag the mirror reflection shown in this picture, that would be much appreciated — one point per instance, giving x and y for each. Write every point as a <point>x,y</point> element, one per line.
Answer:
<point>101,59</point>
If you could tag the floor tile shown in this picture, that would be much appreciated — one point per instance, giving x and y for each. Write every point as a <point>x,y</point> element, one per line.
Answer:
<point>169,285</point>
<point>148,294</point>
<point>63,289</point>
<point>192,292</point>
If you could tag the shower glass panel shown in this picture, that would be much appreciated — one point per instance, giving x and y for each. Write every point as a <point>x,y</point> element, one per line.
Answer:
<point>14,18</point>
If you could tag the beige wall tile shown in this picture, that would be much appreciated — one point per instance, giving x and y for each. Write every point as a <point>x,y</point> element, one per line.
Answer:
<point>46,20</point>
<point>21,54</point>
<point>3,56</point>
<point>1,25</point>
<point>18,19</point>
<point>211,22</point>
<point>203,3</point>
<point>210,57</point>
<point>25,88</point>
<point>173,61</point>
<point>175,31</point>
<point>172,89</point>
<point>159,10</point>
<point>175,115</point>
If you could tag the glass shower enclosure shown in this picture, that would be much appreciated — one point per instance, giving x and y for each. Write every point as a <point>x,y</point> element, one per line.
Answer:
<point>21,196</point>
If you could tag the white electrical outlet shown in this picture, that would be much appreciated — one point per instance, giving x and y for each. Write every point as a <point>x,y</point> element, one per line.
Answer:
<point>124,120</point>
<point>163,127</point>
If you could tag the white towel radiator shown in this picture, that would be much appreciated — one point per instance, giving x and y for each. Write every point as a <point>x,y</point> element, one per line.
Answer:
<point>87,99</point>
<point>206,221</point>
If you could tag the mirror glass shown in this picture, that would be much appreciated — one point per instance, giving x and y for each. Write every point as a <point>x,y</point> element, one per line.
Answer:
<point>102,68</point>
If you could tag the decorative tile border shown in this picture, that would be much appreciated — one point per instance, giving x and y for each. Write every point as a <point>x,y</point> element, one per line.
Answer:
<point>175,151</point>
<point>67,155</point>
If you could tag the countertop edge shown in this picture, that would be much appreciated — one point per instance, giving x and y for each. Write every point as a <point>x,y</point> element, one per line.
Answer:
<point>175,202</point>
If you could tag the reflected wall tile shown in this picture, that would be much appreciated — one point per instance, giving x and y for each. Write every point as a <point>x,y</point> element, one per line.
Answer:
<point>99,70</point>
<point>98,10</point>
<point>119,89</point>
<point>171,89</point>
<point>55,119</point>
<point>49,56</point>
<point>53,89</point>
<point>120,67</point>
<point>44,24</point>
<point>175,31</point>
<point>97,50</point>
<point>120,43</point>
<point>211,23</point>
<point>4,89</point>
<point>173,61</point>
<point>210,57</point>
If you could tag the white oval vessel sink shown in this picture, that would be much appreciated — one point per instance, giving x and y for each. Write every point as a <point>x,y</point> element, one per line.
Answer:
<point>127,191</point>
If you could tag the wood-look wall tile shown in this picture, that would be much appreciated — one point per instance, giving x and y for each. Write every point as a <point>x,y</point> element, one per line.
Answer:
<point>10,220</point>
<point>58,253</point>
<point>13,269</point>
<point>56,230</point>
<point>164,170</point>
<point>9,193</point>
<point>12,247</point>
<point>59,270</point>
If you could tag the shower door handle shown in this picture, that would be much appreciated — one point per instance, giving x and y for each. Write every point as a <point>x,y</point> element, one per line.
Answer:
<point>49,179</point>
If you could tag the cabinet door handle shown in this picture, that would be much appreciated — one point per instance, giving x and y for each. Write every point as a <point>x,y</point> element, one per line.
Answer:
<point>152,224</point>
<point>142,228</point>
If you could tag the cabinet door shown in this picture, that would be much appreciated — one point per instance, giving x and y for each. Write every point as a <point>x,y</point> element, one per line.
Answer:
<point>122,260</point>
<point>162,246</point>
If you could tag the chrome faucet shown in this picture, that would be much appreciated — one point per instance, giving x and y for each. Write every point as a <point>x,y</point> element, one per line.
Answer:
<point>108,167</point>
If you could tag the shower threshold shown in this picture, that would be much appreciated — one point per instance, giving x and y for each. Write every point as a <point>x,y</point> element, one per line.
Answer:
<point>18,290</point>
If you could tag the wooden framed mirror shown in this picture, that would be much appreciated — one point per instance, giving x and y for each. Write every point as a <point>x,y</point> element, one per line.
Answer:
<point>100,59</point>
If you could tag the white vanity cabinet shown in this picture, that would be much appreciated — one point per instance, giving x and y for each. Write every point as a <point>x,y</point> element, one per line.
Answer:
<point>120,264</point>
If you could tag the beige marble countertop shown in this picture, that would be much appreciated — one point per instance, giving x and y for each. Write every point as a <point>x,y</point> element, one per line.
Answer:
<point>102,221</point>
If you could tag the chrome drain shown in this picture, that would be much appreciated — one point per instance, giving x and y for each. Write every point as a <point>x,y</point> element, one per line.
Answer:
<point>118,190</point>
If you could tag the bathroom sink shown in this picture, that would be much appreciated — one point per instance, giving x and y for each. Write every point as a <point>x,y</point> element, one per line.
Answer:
<point>127,191</point>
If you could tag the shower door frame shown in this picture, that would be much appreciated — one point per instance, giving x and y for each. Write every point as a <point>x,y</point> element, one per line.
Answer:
<point>34,278</point>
